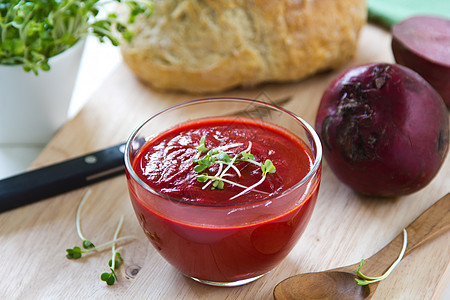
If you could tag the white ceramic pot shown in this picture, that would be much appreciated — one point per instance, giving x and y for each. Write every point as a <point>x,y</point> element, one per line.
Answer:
<point>33,108</point>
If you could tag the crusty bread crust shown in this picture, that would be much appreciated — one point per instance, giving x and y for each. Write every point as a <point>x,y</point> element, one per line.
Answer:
<point>213,45</point>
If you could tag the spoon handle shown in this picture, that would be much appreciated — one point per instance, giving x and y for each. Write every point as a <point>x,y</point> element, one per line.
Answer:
<point>431,223</point>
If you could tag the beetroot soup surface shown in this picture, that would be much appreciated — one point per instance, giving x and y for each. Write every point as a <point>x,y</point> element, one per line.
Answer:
<point>233,250</point>
<point>165,163</point>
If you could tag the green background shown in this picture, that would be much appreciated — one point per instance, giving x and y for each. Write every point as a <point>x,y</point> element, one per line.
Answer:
<point>390,12</point>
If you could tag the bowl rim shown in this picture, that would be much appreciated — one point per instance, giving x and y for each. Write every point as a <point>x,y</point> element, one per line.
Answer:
<point>315,168</point>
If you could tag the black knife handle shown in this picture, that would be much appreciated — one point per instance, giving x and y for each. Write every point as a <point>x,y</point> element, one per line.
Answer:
<point>35,185</point>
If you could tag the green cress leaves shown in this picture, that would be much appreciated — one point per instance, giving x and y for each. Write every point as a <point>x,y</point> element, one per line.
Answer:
<point>268,167</point>
<point>202,147</point>
<point>114,262</point>
<point>109,278</point>
<point>88,247</point>
<point>33,31</point>
<point>220,157</point>
<point>74,253</point>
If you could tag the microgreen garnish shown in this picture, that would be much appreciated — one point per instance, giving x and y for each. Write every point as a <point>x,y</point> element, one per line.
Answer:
<point>202,147</point>
<point>367,279</point>
<point>74,253</point>
<point>268,167</point>
<point>219,156</point>
<point>205,177</point>
<point>86,243</point>
<point>88,247</point>
<point>115,261</point>
<point>109,278</point>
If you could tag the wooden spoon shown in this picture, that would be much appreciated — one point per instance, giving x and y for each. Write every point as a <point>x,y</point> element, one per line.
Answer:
<point>340,283</point>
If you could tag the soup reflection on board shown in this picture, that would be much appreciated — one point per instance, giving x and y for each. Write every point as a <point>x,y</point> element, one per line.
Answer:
<point>220,199</point>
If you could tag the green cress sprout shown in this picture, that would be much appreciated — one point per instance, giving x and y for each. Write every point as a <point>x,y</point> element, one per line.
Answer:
<point>368,280</point>
<point>88,247</point>
<point>219,156</point>
<point>33,31</point>
<point>115,261</point>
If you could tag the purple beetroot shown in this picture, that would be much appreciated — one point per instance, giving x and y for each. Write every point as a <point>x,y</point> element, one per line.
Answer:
<point>384,129</point>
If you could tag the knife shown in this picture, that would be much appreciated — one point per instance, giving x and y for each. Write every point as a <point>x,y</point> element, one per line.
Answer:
<point>31,186</point>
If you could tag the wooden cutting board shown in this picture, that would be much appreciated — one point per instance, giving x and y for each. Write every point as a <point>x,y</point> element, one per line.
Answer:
<point>344,228</point>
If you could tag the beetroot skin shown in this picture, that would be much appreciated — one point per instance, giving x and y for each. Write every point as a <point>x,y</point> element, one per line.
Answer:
<point>384,129</point>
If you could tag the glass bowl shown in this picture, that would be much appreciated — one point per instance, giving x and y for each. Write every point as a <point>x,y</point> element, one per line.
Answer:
<point>227,243</point>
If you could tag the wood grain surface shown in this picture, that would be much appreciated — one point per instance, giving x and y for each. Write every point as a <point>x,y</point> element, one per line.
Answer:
<point>344,228</point>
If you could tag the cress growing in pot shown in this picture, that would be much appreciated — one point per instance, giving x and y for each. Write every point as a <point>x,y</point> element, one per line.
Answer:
<point>33,31</point>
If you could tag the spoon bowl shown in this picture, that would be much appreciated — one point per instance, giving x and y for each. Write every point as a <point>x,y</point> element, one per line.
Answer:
<point>340,283</point>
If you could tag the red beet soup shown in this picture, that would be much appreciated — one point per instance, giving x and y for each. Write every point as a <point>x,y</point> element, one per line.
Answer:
<point>224,200</point>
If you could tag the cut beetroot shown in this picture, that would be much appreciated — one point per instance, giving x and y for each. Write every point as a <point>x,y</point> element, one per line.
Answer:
<point>422,43</point>
<point>384,129</point>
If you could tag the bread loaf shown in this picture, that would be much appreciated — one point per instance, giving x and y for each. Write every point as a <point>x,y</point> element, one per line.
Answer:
<point>213,45</point>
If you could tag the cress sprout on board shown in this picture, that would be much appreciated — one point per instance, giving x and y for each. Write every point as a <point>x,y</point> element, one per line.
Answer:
<point>88,247</point>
